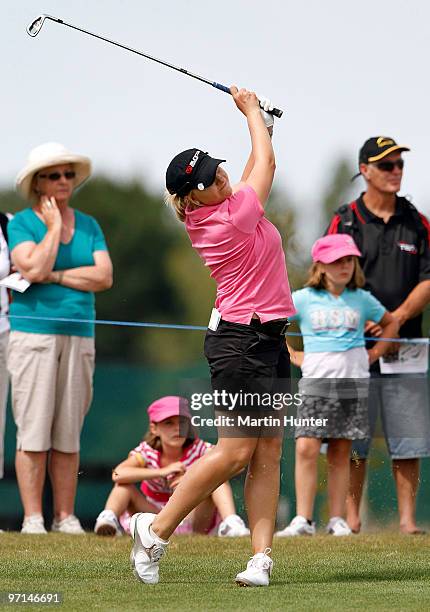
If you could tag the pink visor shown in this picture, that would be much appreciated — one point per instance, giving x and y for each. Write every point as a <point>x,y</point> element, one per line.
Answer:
<point>165,407</point>
<point>334,246</point>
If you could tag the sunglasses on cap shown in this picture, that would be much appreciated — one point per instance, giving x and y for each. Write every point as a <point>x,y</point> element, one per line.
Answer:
<point>388,166</point>
<point>55,176</point>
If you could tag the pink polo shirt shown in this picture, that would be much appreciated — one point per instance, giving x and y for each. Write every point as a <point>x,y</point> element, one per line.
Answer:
<point>244,253</point>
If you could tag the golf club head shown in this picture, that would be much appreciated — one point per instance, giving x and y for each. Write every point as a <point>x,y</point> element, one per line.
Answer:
<point>35,26</point>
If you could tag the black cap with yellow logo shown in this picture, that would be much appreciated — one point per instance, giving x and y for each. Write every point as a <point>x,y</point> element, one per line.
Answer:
<point>376,148</point>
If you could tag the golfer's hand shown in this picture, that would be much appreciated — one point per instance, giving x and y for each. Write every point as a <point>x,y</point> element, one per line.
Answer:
<point>50,213</point>
<point>172,469</point>
<point>265,106</point>
<point>246,101</point>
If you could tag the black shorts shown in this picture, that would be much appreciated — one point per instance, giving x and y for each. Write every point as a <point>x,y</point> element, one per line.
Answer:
<point>249,358</point>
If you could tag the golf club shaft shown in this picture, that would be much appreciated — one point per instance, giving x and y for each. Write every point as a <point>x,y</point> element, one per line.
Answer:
<point>276,111</point>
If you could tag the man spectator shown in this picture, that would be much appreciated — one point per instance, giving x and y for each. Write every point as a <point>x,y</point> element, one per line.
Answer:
<point>394,240</point>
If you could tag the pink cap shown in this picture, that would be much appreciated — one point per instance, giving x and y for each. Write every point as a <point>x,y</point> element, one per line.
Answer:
<point>165,407</point>
<point>334,246</point>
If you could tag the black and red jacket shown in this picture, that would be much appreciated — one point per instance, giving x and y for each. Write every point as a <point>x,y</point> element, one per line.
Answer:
<point>395,255</point>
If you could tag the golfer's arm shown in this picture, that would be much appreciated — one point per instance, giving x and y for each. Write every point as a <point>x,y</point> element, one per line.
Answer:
<point>35,261</point>
<point>87,278</point>
<point>248,168</point>
<point>250,163</point>
<point>415,303</point>
<point>261,175</point>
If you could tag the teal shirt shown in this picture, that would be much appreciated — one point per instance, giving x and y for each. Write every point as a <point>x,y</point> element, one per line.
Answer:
<point>53,300</point>
<point>332,324</point>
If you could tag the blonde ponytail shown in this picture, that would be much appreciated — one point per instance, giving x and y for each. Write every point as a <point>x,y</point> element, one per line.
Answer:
<point>177,203</point>
<point>180,204</point>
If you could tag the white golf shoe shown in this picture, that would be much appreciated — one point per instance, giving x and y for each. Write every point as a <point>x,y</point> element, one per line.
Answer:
<point>257,571</point>
<point>33,524</point>
<point>337,526</point>
<point>107,524</point>
<point>232,527</point>
<point>147,550</point>
<point>70,525</point>
<point>298,526</point>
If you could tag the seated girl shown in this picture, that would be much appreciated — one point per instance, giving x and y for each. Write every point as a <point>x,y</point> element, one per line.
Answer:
<point>159,463</point>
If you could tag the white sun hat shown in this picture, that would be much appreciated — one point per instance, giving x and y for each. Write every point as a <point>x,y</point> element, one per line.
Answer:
<point>46,155</point>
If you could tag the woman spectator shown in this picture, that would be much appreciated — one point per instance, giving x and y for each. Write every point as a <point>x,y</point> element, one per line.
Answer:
<point>62,252</point>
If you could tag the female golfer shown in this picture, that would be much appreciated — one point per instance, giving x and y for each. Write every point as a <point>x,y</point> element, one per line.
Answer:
<point>243,250</point>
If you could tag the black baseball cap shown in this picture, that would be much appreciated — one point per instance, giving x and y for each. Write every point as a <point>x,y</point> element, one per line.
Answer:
<point>191,169</point>
<point>376,148</point>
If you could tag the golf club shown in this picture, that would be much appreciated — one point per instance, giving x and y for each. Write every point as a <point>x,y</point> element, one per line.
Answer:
<point>36,25</point>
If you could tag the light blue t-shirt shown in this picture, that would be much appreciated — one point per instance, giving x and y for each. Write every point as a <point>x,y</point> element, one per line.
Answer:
<point>53,300</point>
<point>331,324</point>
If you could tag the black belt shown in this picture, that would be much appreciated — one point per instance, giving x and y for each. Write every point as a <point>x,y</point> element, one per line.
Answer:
<point>270,328</point>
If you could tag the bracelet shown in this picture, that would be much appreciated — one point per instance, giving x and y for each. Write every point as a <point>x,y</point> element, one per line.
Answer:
<point>60,277</point>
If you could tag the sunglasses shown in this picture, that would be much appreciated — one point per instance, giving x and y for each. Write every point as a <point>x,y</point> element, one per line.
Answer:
<point>55,176</point>
<point>388,166</point>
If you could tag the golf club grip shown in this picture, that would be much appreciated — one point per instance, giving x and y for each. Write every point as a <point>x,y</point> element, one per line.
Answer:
<point>221,87</point>
<point>276,111</point>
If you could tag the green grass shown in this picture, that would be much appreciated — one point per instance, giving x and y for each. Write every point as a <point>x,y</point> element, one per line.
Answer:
<point>374,572</point>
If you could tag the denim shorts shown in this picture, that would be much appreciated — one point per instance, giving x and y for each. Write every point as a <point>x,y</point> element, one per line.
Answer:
<point>401,401</point>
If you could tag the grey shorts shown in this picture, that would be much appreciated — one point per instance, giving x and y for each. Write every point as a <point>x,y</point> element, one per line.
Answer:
<point>342,418</point>
<point>401,401</point>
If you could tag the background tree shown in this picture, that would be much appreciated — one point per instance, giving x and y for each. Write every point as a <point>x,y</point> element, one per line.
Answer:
<point>282,212</point>
<point>340,190</point>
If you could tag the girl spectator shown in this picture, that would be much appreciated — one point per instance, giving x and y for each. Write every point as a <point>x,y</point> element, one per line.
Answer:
<point>159,463</point>
<point>332,312</point>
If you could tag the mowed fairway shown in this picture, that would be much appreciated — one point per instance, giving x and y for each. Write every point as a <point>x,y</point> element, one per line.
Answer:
<point>373,572</point>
